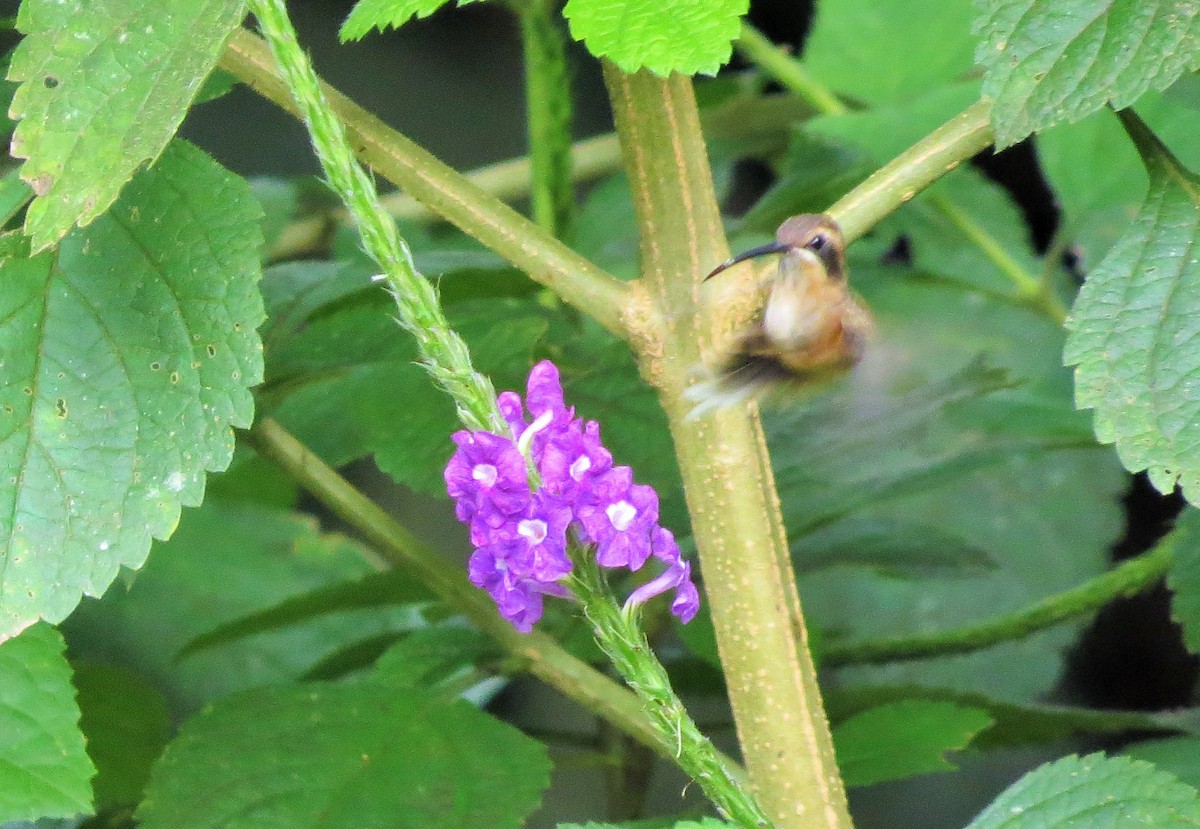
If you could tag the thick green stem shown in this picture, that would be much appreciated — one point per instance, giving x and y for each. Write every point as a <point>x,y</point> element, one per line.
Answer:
<point>548,111</point>
<point>727,477</point>
<point>1126,579</point>
<point>442,351</point>
<point>537,652</point>
<point>448,193</point>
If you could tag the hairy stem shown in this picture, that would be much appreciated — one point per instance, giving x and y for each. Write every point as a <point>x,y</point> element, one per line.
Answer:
<point>443,353</point>
<point>1126,579</point>
<point>726,473</point>
<point>537,653</point>
<point>447,192</point>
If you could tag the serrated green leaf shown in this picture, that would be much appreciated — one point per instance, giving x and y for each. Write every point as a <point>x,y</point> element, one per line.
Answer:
<point>890,52</point>
<point>1133,336</point>
<point>1097,177</point>
<point>127,726</point>
<point>125,357</point>
<point>1179,756</point>
<point>1049,61</point>
<point>387,14</point>
<point>904,739</point>
<point>369,754</point>
<point>1093,791</point>
<point>390,587</point>
<point>1184,578</point>
<point>891,546</point>
<point>45,772</point>
<point>105,84</point>
<point>663,36</point>
<point>226,561</point>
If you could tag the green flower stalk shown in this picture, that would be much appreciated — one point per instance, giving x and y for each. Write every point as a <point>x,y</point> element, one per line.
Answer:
<point>442,351</point>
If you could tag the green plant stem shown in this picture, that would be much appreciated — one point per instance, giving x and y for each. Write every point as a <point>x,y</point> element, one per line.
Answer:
<point>548,112</point>
<point>726,473</point>
<point>443,353</point>
<point>624,642</point>
<point>783,67</point>
<point>1126,579</point>
<point>538,653</point>
<point>447,192</point>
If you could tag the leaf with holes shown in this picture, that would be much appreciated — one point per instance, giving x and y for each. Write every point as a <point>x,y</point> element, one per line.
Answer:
<point>1050,61</point>
<point>105,84</point>
<point>1093,791</point>
<point>663,36</point>
<point>45,771</point>
<point>125,356</point>
<point>1133,336</point>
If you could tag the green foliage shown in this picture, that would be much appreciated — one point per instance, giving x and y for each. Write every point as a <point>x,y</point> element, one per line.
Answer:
<point>45,772</point>
<point>1178,755</point>
<point>126,724</point>
<point>1184,579</point>
<point>225,562</point>
<point>105,84</point>
<point>387,14</point>
<point>341,756</point>
<point>129,353</point>
<point>1133,334</point>
<point>1047,61</point>
<point>902,739</point>
<point>1093,791</point>
<point>663,36</point>
<point>881,53</point>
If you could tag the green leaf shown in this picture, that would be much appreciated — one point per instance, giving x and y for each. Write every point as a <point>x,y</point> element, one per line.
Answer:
<point>663,36</point>
<point>904,739</point>
<point>1049,61</point>
<point>201,579</point>
<point>431,656</point>
<point>891,546</point>
<point>890,52</point>
<point>127,726</point>
<point>1097,176</point>
<point>1132,331</point>
<point>925,432</point>
<point>45,772</point>
<point>342,376</point>
<point>125,357</point>
<point>369,754</point>
<point>390,587</point>
<point>1184,578</point>
<point>105,84</point>
<point>1093,791</point>
<point>387,14</point>
<point>1178,755</point>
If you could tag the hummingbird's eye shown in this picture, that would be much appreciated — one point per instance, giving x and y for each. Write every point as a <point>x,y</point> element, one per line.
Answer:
<point>817,243</point>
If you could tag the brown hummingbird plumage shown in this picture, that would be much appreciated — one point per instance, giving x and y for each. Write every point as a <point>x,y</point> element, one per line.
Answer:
<point>811,326</point>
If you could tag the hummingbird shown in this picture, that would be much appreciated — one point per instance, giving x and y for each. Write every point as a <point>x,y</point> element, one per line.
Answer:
<point>811,326</point>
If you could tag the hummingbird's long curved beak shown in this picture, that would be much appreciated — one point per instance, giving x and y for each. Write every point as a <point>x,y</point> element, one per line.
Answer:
<point>761,250</point>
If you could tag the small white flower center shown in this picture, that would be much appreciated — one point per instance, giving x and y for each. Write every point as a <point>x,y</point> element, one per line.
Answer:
<point>581,466</point>
<point>485,474</point>
<point>533,529</point>
<point>621,514</point>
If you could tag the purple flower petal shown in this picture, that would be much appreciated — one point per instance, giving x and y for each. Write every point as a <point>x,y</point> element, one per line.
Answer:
<point>513,412</point>
<point>677,576</point>
<point>486,473</point>
<point>618,516</point>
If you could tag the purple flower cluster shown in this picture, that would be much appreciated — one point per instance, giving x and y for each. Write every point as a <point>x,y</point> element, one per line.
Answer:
<point>520,534</point>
